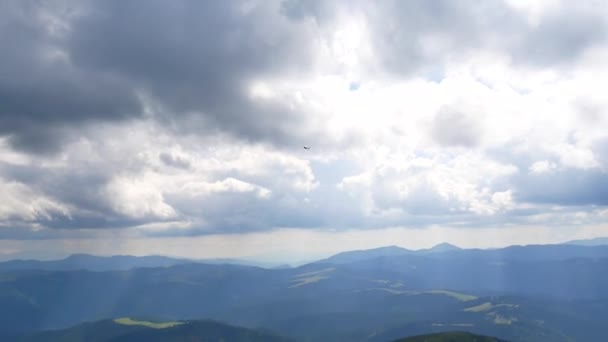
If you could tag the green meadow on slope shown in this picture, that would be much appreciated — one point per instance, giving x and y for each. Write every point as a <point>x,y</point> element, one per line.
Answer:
<point>154,325</point>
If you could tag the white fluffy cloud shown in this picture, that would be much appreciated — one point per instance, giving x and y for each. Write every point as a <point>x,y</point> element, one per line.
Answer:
<point>440,186</point>
<point>19,202</point>
<point>461,114</point>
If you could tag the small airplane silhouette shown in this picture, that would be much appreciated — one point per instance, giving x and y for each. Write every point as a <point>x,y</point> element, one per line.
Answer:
<point>307,147</point>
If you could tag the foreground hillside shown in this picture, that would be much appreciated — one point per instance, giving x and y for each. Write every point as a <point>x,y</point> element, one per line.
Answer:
<point>456,336</point>
<point>131,330</point>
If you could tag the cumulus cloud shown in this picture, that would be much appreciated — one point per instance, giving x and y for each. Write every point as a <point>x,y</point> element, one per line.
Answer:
<point>189,117</point>
<point>114,180</point>
<point>21,202</point>
<point>85,62</point>
<point>137,198</point>
<point>542,166</point>
<point>445,186</point>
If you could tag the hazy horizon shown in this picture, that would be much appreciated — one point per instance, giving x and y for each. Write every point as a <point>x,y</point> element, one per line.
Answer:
<point>270,260</point>
<point>182,132</point>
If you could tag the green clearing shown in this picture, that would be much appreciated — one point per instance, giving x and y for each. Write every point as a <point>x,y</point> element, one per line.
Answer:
<point>456,295</point>
<point>460,296</point>
<point>487,306</point>
<point>313,273</point>
<point>154,325</point>
<point>305,281</point>
<point>311,277</point>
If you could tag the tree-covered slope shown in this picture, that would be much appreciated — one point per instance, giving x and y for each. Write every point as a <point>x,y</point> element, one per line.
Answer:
<point>132,330</point>
<point>455,336</point>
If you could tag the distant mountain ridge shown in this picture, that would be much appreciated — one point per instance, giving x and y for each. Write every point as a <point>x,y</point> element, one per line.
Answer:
<point>352,256</point>
<point>386,294</point>
<point>575,249</point>
<point>115,263</point>
<point>571,249</point>
<point>440,248</point>
<point>388,251</point>
<point>512,253</point>
<point>602,241</point>
<point>93,263</point>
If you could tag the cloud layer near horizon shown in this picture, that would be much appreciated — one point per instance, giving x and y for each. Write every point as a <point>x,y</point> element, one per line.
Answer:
<point>188,118</point>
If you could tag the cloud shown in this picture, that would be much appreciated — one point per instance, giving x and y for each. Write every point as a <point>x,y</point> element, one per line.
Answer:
<point>41,90</point>
<point>156,118</point>
<point>446,186</point>
<point>137,199</point>
<point>77,63</point>
<point>175,160</point>
<point>422,38</point>
<point>542,166</point>
<point>452,127</point>
<point>80,63</point>
<point>562,35</point>
<point>118,180</point>
<point>563,186</point>
<point>22,203</point>
<point>202,59</point>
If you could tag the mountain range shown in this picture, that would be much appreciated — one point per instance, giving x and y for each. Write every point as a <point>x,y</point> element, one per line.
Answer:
<point>518,293</point>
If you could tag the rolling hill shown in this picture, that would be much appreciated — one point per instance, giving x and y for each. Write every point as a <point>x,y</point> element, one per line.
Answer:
<point>116,263</point>
<point>92,263</point>
<point>376,297</point>
<point>127,329</point>
<point>457,336</point>
<point>589,242</point>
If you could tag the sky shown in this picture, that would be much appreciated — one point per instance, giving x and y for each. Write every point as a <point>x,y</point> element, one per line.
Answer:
<point>177,127</point>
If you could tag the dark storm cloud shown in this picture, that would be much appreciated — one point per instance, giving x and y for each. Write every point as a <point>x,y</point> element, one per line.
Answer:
<point>568,187</point>
<point>403,28</point>
<point>238,212</point>
<point>40,91</point>
<point>66,64</point>
<point>318,10</point>
<point>80,188</point>
<point>197,58</point>
<point>191,58</point>
<point>559,185</point>
<point>21,231</point>
<point>174,160</point>
<point>417,37</point>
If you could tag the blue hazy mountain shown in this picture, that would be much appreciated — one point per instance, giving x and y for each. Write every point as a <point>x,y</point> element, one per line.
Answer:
<point>440,248</point>
<point>115,263</point>
<point>389,251</point>
<point>353,256</point>
<point>93,263</point>
<point>447,251</point>
<point>589,242</point>
<point>522,293</point>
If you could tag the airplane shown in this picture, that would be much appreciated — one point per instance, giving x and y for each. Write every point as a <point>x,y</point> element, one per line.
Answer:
<point>307,147</point>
